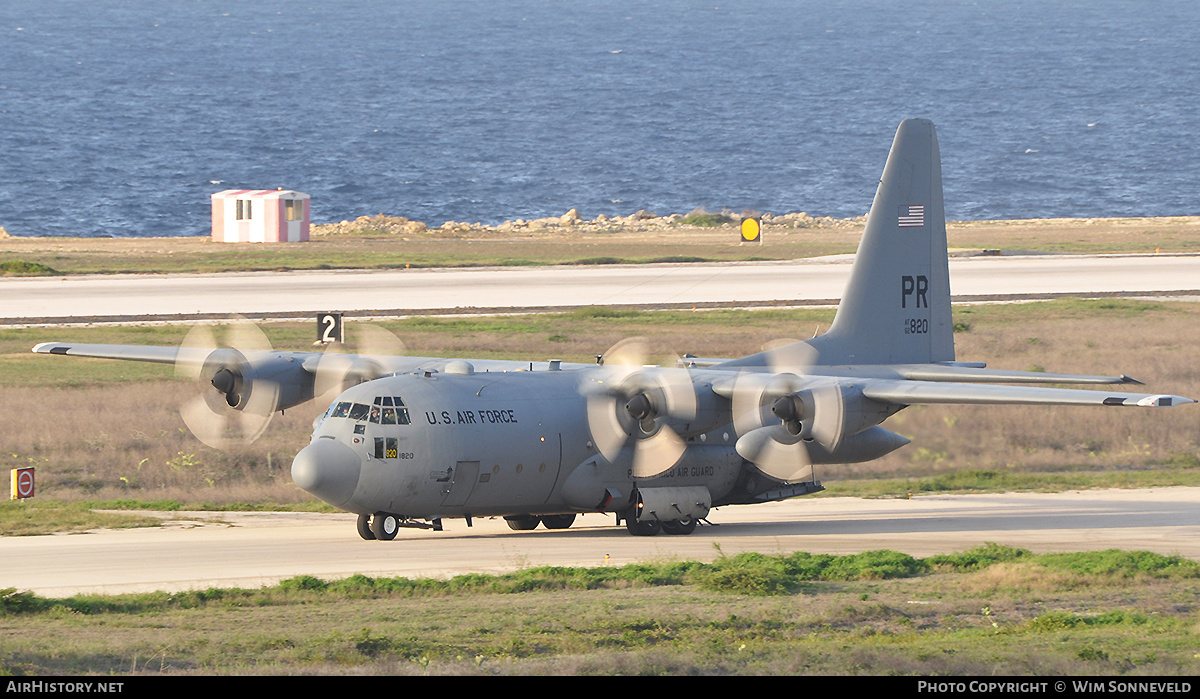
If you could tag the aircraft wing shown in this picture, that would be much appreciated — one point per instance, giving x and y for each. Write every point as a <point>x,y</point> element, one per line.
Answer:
<point>972,374</point>
<point>135,353</point>
<point>157,354</point>
<point>928,393</point>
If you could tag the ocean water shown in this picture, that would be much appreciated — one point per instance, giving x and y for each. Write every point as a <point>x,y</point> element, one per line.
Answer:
<point>122,118</point>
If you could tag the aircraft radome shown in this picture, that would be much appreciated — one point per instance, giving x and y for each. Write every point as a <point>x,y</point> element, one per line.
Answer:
<point>409,441</point>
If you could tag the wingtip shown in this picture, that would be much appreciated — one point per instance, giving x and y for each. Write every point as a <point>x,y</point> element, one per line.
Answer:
<point>1129,379</point>
<point>50,348</point>
<point>1163,401</point>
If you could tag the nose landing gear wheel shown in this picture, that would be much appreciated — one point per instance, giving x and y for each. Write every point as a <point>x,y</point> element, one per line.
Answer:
<point>384,526</point>
<point>364,527</point>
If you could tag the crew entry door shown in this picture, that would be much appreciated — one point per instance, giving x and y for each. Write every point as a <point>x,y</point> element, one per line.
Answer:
<point>463,478</point>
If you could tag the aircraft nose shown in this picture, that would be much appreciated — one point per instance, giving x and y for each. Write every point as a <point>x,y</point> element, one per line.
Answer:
<point>328,469</point>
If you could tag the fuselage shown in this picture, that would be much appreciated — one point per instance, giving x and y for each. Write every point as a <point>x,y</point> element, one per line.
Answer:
<point>465,443</point>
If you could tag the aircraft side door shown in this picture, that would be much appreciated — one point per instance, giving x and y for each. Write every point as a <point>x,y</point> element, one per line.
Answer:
<point>461,483</point>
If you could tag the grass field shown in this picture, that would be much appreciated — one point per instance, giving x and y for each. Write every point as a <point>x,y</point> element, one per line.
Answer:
<point>988,611</point>
<point>110,431</point>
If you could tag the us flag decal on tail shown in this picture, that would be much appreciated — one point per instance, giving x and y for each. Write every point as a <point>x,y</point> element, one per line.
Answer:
<point>912,216</point>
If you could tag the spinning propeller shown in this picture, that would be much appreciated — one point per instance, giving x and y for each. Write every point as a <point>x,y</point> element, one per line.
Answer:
<point>639,406</point>
<point>779,415</point>
<point>337,371</point>
<point>234,405</point>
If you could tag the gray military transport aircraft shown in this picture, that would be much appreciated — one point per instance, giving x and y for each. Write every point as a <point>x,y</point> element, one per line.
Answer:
<point>408,441</point>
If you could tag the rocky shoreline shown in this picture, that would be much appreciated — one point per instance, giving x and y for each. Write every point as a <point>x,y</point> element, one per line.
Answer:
<point>572,221</point>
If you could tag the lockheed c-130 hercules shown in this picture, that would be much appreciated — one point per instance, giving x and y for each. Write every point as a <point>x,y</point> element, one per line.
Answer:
<point>409,441</point>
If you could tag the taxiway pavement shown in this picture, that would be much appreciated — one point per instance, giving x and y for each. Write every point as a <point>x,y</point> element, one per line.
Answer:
<point>202,550</point>
<point>397,292</point>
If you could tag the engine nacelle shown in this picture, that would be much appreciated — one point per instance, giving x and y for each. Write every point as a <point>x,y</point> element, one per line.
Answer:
<point>236,379</point>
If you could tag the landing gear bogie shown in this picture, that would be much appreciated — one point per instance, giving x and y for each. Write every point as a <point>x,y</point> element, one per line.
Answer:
<point>558,521</point>
<point>364,527</point>
<point>681,527</point>
<point>649,527</point>
<point>384,526</point>
<point>522,523</point>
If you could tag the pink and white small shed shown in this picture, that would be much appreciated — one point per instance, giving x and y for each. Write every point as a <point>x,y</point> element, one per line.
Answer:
<point>260,216</point>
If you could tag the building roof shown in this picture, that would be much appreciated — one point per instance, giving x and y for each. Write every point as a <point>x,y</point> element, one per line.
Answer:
<point>259,194</point>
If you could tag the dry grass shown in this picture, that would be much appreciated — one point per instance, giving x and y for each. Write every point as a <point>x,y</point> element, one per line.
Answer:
<point>123,438</point>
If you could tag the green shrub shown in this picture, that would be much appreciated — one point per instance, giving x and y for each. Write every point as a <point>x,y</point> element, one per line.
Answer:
<point>705,219</point>
<point>977,558</point>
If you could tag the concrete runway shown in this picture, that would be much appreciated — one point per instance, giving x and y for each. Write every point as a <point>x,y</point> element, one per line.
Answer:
<point>395,292</point>
<point>254,549</point>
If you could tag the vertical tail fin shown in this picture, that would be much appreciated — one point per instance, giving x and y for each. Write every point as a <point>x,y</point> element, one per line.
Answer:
<point>896,307</point>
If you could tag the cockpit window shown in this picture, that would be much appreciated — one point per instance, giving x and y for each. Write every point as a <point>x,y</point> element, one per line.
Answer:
<point>394,414</point>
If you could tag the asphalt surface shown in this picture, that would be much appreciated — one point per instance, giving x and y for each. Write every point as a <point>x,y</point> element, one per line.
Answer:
<point>201,550</point>
<point>398,292</point>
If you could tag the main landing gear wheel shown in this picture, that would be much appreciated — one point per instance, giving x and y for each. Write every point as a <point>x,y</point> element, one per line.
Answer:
<point>679,526</point>
<point>644,528</point>
<point>384,526</point>
<point>364,527</point>
<point>522,523</point>
<point>558,521</point>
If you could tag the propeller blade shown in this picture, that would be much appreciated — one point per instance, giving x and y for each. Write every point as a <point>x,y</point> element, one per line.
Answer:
<point>829,415</point>
<point>776,452</point>
<point>790,356</point>
<point>630,352</point>
<point>658,453</point>
<point>375,341</point>
<point>246,336</point>
<point>608,434</point>
<point>194,349</point>
<point>337,371</point>
<point>223,428</point>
